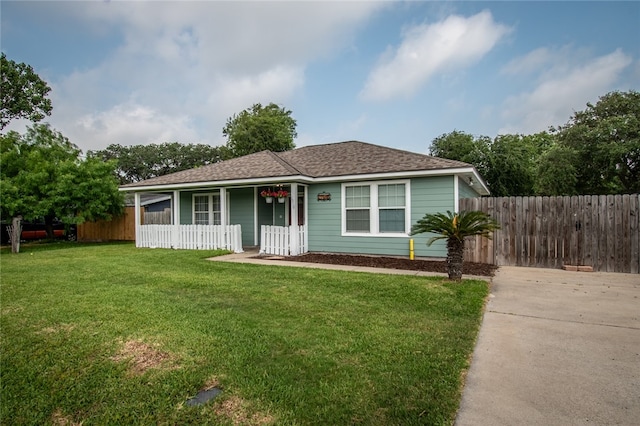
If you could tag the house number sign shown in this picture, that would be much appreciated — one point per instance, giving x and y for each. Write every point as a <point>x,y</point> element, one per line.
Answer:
<point>324,196</point>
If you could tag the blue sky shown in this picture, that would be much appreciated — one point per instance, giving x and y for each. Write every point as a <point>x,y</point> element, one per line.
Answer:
<point>397,74</point>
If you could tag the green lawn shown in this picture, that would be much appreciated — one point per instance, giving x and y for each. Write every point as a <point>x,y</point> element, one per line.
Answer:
<point>111,334</point>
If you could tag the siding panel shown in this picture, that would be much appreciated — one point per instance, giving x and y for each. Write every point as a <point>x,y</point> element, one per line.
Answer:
<point>241,201</point>
<point>428,195</point>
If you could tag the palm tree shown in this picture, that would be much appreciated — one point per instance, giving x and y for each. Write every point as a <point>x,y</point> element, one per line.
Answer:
<point>455,227</point>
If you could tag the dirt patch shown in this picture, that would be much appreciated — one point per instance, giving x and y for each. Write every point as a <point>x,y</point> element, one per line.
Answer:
<point>59,419</point>
<point>469,268</point>
<point>58,329</point>
<point>142,357</point>
<point>235,409</point>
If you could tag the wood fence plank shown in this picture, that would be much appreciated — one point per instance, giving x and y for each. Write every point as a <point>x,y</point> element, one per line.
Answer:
<point>489,205</point>
<point>551,227</point>
<point>595,229</point>
<point>516,233</point>
<point>584,234</point>
<point>634,231</point>
<point>513,232</point>
<point>537,231</point>
<point>619,238</point>
<point>546,260</point>
<point>602,232</point>
<point>626,234</point>
<point>611,228</point>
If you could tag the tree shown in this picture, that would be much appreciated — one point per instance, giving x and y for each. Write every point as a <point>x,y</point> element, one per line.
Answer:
<point>43,176</point>
<point>606,139</point>
<point>464,147</point>
<point>508,163</point>
<point>24,93</point>
<point>260,128</point>
<point>556,172</point>
<point>455,227</point>
<point>140,162</point>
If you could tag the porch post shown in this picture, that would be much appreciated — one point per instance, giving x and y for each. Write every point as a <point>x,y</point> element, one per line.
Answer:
<point>226,239</point>
<point>175,240</point>
<point>456,194</point>
<point>293,235</point>
<point>136,216</point>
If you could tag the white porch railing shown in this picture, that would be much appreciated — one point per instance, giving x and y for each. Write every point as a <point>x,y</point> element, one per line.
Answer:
<point>283,240</point>
<point>190,237</point>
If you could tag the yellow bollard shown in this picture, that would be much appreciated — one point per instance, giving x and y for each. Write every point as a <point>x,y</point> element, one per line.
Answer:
<point>411,253</point>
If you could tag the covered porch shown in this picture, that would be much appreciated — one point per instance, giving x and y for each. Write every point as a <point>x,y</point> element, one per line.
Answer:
<point>230,217</point>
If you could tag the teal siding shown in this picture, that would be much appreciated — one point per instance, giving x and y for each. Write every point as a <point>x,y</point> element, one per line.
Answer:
<point>324,221</point>
<point>428,195</point>
<point>186,206</point>
<point>241,208</point>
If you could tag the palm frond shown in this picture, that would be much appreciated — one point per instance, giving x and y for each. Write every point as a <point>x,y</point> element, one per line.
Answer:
<point>455,225</point>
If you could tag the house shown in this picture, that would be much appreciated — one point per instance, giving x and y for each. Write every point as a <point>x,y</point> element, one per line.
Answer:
<point>347,197</point>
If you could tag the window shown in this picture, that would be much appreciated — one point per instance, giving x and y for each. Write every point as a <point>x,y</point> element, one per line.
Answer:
<point>377,208</point>
<point>206,209</point>
<point>357,204</point>
<point>391,205</point>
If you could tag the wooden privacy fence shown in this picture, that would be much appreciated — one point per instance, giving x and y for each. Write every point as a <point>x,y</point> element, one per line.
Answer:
<point>119,229</point>
<point>601,231</point>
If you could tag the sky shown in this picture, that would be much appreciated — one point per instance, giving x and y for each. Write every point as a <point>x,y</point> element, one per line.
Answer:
<point>396,74</point>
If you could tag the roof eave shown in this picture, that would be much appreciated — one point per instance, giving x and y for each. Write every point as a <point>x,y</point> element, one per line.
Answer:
<point>481,188</point>
<point>218,183</point>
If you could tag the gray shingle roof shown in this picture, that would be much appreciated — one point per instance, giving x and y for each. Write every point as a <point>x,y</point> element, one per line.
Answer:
<point>329,160</point>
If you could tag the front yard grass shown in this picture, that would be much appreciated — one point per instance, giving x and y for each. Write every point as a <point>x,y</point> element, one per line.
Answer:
<point>111,334</point>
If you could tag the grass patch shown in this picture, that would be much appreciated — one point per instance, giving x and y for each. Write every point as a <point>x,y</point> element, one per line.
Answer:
<point>111,334</point>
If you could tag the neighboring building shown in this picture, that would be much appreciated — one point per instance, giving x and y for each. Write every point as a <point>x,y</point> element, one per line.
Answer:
<point>347,197</point>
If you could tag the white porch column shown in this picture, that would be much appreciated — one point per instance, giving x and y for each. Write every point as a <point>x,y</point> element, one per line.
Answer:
<point>176,207</point>
<point>256,230</point>
<point>175,234</point>
<point>224,221</point>
<point>456,194</point>
<point>293,235</point>
<point>136,215</point>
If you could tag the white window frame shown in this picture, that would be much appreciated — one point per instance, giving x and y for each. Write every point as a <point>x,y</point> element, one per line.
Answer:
<point>210,210</point>
<point>374,209</point>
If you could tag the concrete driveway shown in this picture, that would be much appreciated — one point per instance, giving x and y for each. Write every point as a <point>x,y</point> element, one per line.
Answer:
<point>556,348</point>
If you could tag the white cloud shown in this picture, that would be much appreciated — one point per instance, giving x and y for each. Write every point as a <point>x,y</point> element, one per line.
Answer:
<point>557,95</point>
<point>428,49</point>
<point>131,121</point>
<point>530,62</point>
<point>233,93</point>
<point>188,66</point>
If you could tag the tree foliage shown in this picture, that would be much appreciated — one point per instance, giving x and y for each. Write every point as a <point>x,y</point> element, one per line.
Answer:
<point>462,146</point>
<point>596,152</point>
<point>23,92</point>
<point>260,128</point>
<point>44,176</point>
<point>140,162</point>
<point>455,227</point>
<point>606,140</point>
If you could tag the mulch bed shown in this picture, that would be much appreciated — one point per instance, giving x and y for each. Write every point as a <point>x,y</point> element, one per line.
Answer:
<point>469,268</point>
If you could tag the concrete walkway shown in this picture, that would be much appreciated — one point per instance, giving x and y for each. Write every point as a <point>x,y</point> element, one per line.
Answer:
<point>556,348</point>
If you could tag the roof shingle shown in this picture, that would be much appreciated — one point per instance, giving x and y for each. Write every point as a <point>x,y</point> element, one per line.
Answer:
<point>329,160</point>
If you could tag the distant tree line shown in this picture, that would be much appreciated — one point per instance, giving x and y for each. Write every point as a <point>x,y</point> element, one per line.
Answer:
<point>255,129</point>
<point>596,152</point>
